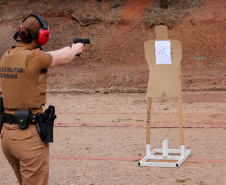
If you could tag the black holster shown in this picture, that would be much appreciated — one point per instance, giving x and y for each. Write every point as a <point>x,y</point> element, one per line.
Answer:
<point>1,113</point>
<point>44,124</point>
<point>1,123</point>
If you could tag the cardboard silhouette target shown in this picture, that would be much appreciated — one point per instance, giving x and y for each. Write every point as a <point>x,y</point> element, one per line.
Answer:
<point>163,78</point>
<point>164,57</point>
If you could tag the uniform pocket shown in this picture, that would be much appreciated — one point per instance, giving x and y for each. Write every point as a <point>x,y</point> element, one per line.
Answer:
<point>21,134</point>
<point>26,143</point>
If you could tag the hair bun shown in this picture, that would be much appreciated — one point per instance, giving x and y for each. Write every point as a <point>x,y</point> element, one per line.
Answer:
<point>25,34</point>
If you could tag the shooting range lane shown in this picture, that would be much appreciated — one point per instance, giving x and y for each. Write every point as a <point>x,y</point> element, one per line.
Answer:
<point>199,110</point>
<point>130,159</point>
<point>88,154</point>
<point>118,110</point>
<point>125,143</point>
<point>131,119</point>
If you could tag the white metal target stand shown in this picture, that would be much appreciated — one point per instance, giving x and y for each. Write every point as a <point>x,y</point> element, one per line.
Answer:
<point>164,157</point>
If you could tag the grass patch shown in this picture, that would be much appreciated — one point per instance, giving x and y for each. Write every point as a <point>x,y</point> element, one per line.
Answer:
<point>117,3</point>
<point>2,3</point>
<point>199,57</point>
<point>167,108</point>
<point>139,102</point>
<point>155,15</point>
<point>139,120</point>
<point>190,102</point>
<point>181,180</point>
<point>120,120</point>
<point>202,183</point>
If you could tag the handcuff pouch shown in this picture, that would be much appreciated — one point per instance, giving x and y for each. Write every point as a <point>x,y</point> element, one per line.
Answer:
<point>23,118</point>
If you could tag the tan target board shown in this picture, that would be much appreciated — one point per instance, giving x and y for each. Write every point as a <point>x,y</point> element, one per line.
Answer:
<point>164,57</point>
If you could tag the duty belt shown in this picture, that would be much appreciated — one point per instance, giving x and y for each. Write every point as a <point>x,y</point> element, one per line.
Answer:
<point>11,119</point>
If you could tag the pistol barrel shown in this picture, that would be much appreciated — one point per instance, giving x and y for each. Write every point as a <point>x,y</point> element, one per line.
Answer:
<point>84,41</point>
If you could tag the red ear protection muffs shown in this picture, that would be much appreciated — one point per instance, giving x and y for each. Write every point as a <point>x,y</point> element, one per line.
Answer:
<point>20,27</point>
<point>42,36</point>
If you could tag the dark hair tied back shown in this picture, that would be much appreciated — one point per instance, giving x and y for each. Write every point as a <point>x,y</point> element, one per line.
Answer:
<point>25,35</point>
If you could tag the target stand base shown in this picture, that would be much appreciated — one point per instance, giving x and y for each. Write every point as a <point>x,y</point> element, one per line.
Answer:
<point>164,157</point>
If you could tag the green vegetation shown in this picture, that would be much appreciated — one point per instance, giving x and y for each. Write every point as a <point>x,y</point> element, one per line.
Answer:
<point>167,108</point>
<point>184,3</point>
<point>199,57</point>
<point>190,102</point>
<point>181,180</point>
<point>3,2</point>
<point>139,120</point>
<point>202,183</point>
<point>117,3</point>
<point>139,102</point>
<point>155,15</point>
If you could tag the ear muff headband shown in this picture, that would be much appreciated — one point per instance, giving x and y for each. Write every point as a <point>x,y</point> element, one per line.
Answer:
<point>41,20</point>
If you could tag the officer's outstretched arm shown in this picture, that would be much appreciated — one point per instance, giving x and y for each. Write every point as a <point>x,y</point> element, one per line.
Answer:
<point>66,55</point>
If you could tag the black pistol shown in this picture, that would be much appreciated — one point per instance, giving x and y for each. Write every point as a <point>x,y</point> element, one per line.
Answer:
<point>84,41</point>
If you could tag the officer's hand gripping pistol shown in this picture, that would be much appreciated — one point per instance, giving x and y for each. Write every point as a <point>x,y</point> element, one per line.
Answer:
<point>84,41</point>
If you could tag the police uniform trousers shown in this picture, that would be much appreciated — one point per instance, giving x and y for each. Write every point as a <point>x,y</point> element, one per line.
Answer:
<point>26,153</point>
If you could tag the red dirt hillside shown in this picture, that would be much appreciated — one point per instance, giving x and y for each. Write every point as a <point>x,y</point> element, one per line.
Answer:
<point>115,58</point>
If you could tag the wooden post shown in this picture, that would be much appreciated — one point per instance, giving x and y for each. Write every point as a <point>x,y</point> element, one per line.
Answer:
<point>181,120</point>
<point>148,120</point>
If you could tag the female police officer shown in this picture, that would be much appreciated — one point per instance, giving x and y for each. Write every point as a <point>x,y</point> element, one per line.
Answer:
<point>23,72</point>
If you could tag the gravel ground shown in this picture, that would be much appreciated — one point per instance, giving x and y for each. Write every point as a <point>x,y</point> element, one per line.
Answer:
<point>108,150</point>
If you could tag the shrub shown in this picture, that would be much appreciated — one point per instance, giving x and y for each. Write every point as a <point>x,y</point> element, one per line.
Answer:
<point>155,15</point>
